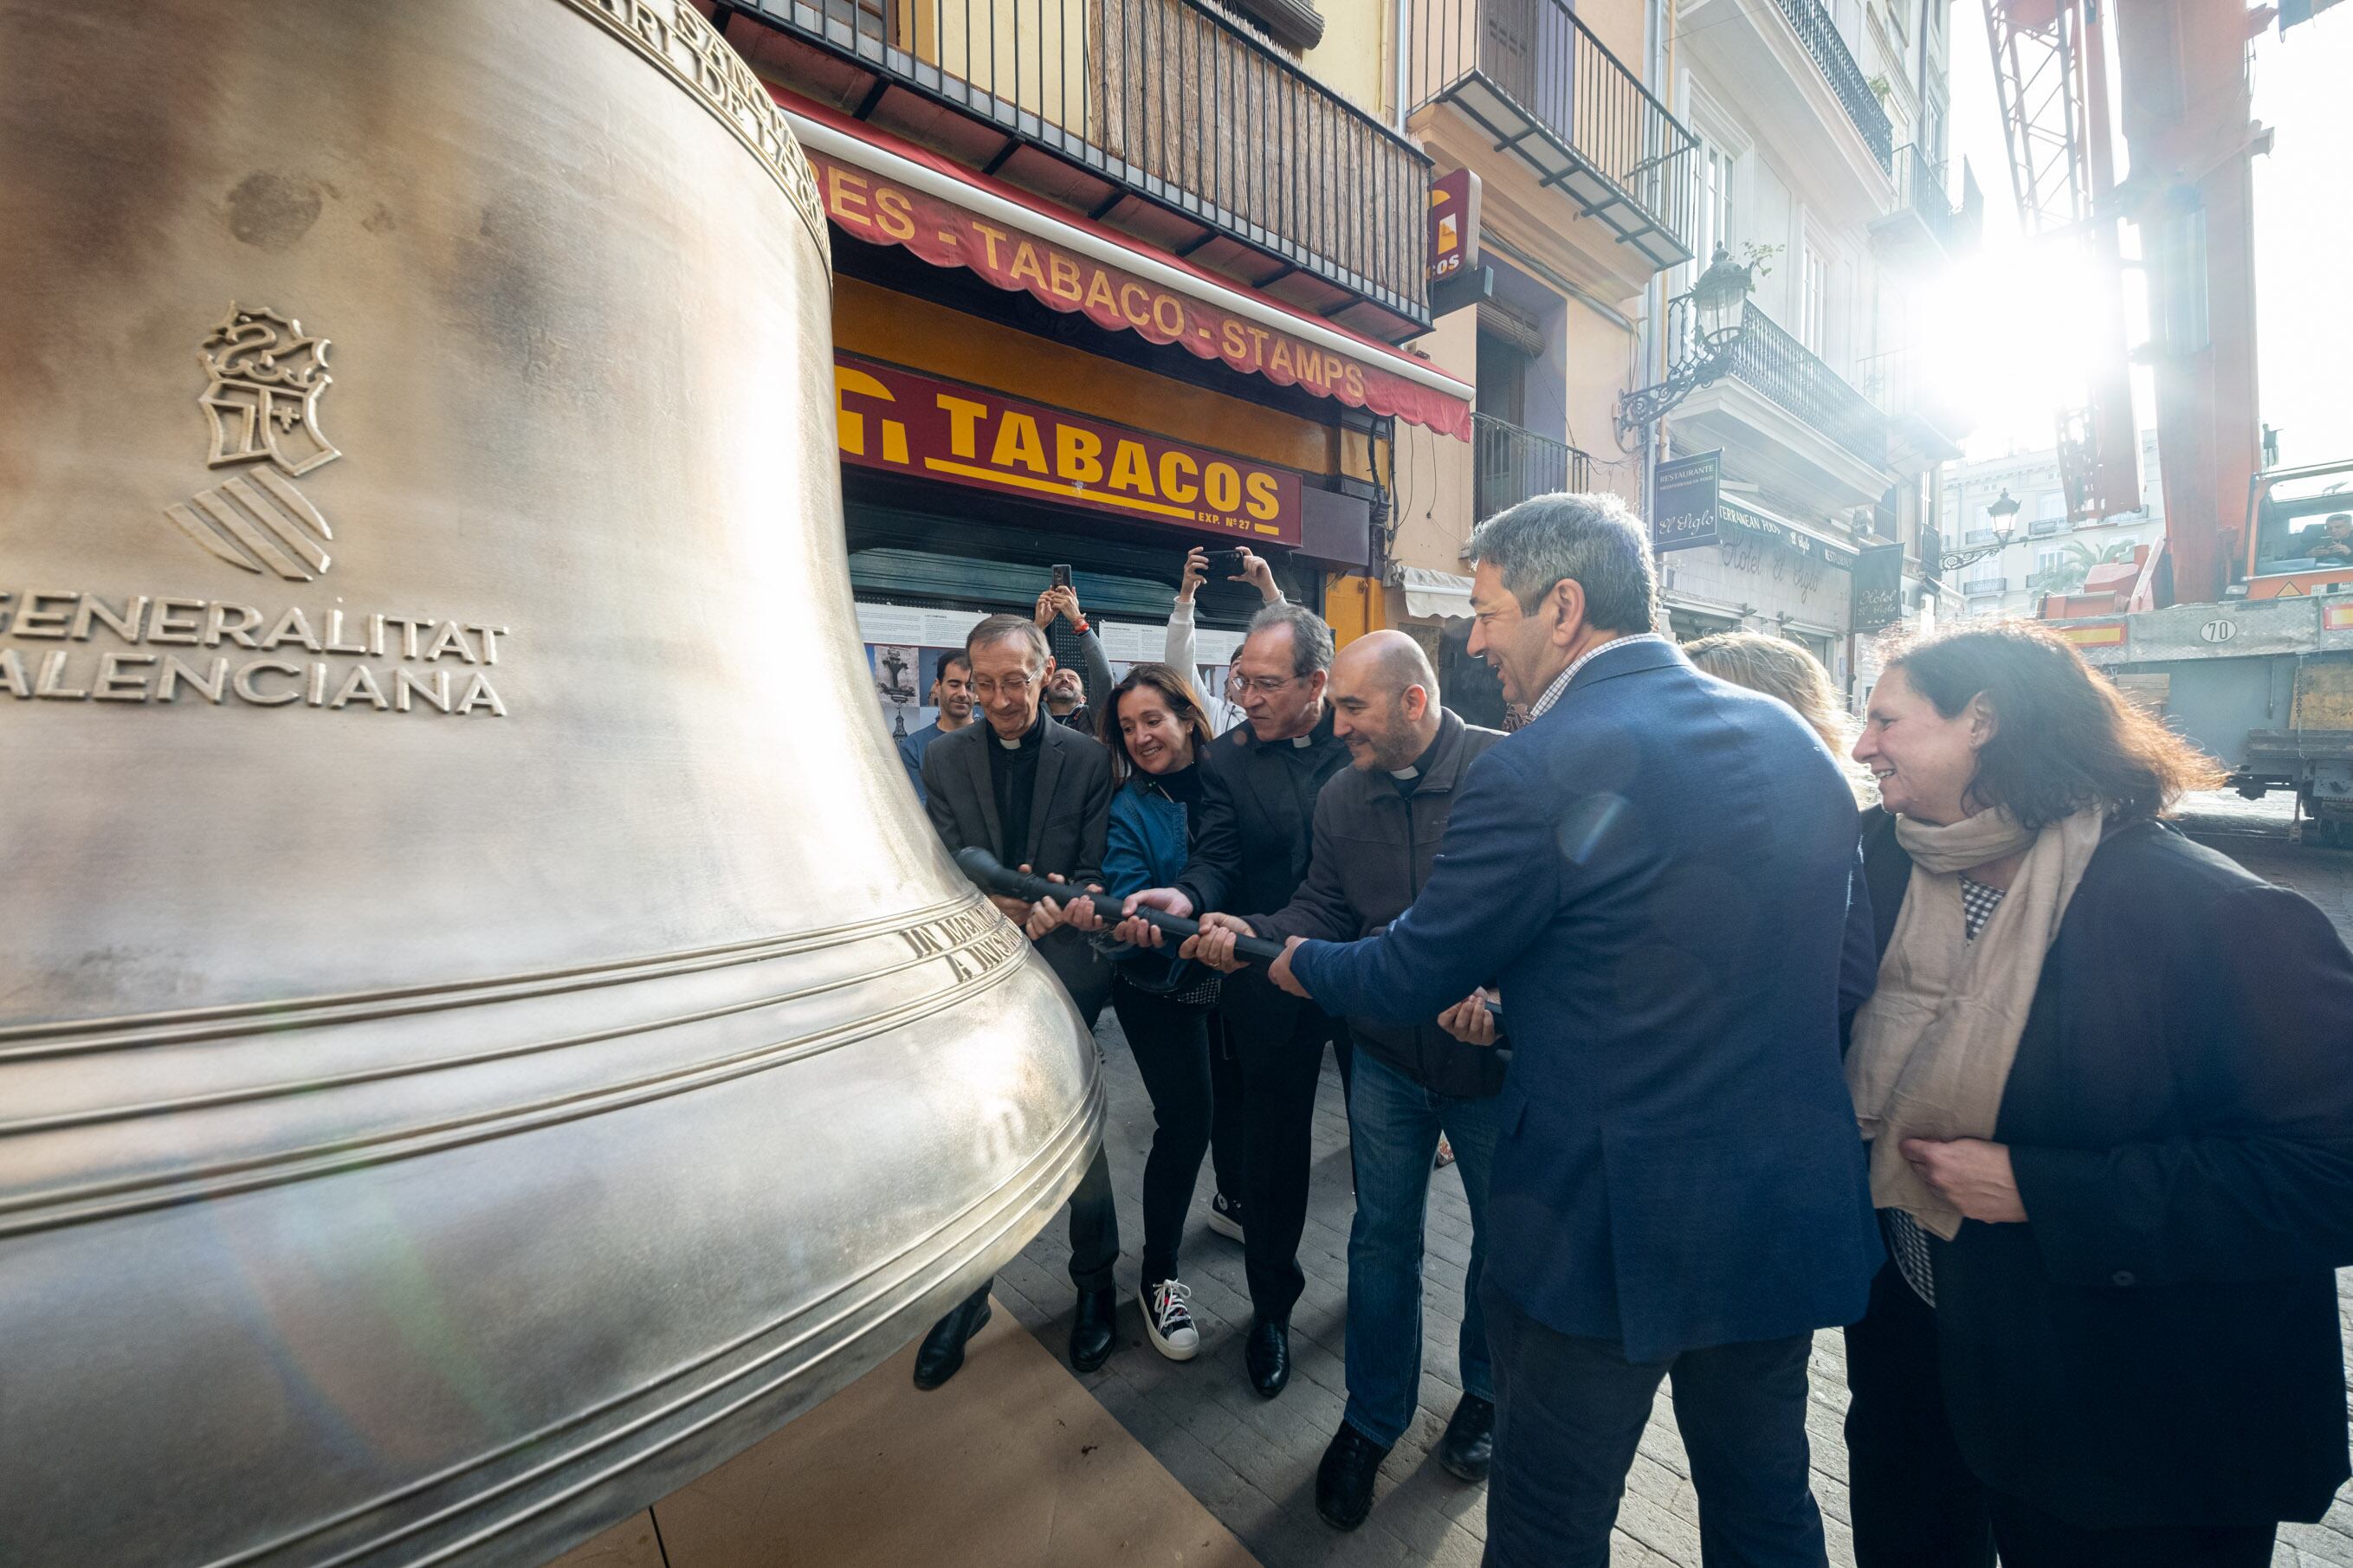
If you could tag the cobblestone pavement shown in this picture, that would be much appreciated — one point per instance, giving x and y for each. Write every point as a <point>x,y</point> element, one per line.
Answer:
<point>1252,1462</point>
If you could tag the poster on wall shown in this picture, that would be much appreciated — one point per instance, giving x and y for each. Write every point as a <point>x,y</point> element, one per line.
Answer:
<point>905,646</point>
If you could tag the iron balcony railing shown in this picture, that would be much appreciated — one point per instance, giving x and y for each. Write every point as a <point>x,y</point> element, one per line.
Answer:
<point>1509,465</point>
<point>1820,34</point>
<point>1920,185</point>
<point>1175,100</point>
<point>1977,587</point>
<point>1529,68</point>
<point>1784,369</point>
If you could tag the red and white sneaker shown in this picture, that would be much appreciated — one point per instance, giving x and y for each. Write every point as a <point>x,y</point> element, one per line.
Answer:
<point>1168,1321</point>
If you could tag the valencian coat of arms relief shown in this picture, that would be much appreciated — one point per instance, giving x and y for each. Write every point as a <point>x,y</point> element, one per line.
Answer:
<point>267,377</point>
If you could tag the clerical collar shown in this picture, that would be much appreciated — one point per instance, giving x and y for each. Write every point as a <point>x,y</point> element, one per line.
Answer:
<point>1306,740</point>
<point>1407,775</point>
<point>1029,737</point>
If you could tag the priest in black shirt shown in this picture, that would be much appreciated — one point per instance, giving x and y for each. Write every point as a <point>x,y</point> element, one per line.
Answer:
<point>1035,794</point>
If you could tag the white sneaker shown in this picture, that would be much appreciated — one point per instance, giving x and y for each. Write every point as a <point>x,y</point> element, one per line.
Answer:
<point>1169,1321</point>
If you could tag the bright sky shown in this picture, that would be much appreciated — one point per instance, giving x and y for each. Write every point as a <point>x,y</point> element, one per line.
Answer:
<point>2011,347</point>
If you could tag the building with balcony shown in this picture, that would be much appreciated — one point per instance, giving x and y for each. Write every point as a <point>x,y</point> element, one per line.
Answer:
<point>1820,155</point>
<point>1114,279</point>
<point>2047,553</point>
<point>1586,192</point>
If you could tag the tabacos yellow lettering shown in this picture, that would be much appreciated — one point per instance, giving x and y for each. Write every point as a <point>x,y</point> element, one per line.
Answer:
<point>1264,502</point>
<point>1278,363</point>
<point>1018,445</point>
<point>1168,315</point>
<point>1078,455</point>
<point>1025,264</point>
<point>1062,276</point>
<point>1130,470</point>
<point>1181,490</point>
<point>1099,302</point>
<point>1236,342</point>
<point>964,423</point>
<point>1353,378</point>
<point>1221,487</point>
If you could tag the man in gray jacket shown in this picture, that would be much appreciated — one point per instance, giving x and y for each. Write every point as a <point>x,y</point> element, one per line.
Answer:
<point>1377,827</point>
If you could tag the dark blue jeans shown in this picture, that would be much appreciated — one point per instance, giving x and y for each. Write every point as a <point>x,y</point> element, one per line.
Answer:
<point>1571,1412</point>
<point>1393,1127</point>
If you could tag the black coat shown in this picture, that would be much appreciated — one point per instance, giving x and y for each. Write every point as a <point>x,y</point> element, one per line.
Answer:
<point>1251,847</point>
<point>2158,1344</point>
<point>1069,814</point>
<point>1373,850</point>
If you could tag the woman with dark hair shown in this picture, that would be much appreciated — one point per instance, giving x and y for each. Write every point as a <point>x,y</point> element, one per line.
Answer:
<point>2107,1078</point>
<point>1155,725</point>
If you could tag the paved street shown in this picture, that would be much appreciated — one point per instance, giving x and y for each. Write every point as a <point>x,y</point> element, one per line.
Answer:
<point>1252,1462</point>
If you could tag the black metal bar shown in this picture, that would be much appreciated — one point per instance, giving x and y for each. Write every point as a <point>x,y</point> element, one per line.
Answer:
<point>1510,464</point>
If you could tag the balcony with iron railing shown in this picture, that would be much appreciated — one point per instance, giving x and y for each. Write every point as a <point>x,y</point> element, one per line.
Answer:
<point>1818,31</point>
<point>1773,362</point>
<point>1784,67</point>
<point>1173,104</point>
<point>1533,76</point>
<point>1925,228</point>
<point>1510,464</point>
<point>1785,420</point>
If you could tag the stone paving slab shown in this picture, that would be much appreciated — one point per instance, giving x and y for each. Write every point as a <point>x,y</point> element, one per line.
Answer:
<point>1251,1462</point>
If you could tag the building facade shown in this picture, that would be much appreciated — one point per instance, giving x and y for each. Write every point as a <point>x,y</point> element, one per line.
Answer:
<point>2046,554</point>
<point>1820,131</point>
<point>1114,278</point>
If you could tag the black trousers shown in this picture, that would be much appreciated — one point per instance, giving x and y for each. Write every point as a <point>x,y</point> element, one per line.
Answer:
<point>1227,1133</point>
<point>1915,1503</point>
<point>1281,1043</point>
<point>1570,1414</point>
<point>1173,1052</point>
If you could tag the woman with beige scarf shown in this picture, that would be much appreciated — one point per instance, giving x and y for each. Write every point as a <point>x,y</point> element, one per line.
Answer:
<point>2107,1079</point>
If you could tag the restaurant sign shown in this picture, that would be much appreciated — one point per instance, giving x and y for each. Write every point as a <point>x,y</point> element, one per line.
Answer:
<point>1878,587</point>
<point>899,421</point>
<point>1685,495</point>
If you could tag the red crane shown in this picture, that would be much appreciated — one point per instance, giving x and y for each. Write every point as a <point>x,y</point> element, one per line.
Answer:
<point>2189,138</point>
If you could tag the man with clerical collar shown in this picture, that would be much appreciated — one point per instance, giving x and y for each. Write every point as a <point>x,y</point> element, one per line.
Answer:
<point>1376,831</point>
<point>1260,781</point>
<point>1037,796</point>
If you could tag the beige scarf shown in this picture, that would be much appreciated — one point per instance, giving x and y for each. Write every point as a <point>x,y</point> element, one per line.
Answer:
<point>1933,1046</point>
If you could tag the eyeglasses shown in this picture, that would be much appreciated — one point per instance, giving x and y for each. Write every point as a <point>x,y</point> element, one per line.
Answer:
<point>1012,686</point>
<point>1264,685</point>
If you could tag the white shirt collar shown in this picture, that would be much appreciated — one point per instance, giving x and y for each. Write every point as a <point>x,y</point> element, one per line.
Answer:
<point>1560,682</point>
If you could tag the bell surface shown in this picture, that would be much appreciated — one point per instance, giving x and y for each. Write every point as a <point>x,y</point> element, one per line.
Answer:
<point>486,1031</point>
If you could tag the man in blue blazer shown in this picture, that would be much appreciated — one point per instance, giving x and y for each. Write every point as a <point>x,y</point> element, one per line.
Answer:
<point>1656,870</point>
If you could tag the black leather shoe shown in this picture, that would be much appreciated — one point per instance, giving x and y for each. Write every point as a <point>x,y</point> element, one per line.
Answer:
<point>1468,1450</point>
<point>1092,1330</point>
<point>1268,1355</point>
<point>943,1351</point>
<point>1344,1481</point>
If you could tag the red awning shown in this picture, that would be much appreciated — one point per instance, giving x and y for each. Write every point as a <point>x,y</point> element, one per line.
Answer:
<point>885,190</point>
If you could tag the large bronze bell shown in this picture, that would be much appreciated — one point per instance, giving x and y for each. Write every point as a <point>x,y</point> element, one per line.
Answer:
<point>485,1031</point>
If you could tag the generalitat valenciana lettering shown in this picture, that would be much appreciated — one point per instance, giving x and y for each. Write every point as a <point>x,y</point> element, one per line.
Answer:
<point>214,651</point>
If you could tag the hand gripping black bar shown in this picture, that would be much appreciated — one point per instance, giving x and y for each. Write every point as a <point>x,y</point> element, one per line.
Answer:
<point>991,875</point>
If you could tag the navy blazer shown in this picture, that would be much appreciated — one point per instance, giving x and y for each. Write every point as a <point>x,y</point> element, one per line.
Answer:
<point>1661,872</point>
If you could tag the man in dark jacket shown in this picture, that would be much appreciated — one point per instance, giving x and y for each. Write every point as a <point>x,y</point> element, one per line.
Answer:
<point>1377,830</point>
<point>1260,781</point>
<point>1034,795</point>
<point>1658,870</point>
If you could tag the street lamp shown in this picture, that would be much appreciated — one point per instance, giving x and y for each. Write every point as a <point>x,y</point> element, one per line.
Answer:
<point>1718,304</point>
<point>2003,515</point>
